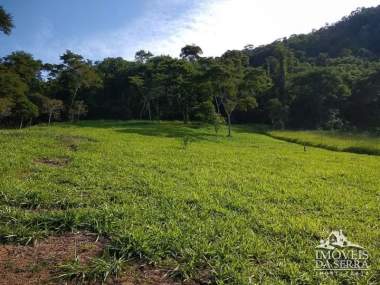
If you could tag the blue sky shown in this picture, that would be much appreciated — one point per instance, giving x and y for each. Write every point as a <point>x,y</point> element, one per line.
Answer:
<point>110,28</point>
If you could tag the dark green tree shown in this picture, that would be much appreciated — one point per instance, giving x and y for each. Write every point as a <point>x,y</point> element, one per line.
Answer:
<point>24,109</point>
<point>75,74</point>
<point>143,56</point>
<point>6,23</point>
<point>239,85</point>
<point>191,52</point>
<point>315,93</point>
<point>278,113</point>
<point>26,67</point>
<point>364,105</point>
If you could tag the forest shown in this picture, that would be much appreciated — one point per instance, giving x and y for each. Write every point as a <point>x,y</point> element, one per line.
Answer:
<point>328,79</point>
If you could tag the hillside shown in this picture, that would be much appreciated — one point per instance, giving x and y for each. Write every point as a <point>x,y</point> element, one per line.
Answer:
<point>357,34</point>
<point>326,79</point>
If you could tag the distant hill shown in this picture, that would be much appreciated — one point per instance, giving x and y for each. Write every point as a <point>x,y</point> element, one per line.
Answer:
<point>357,34</point>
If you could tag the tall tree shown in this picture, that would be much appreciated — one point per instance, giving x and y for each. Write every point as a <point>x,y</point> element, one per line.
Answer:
<point>76,73</point>
<point>142,56</point>
<point>26,67</point>
<point>364,104</point>
<point>5,107</point>
<point>238,84</point>
<point>53,108</point>
<point>13,96</point>
<point>6,23</point>
<point>143,87</point>
<point>24,109</point>
<point>79,109</point>
<point>278,113</point>
<point>315,93</point>
<point>191,52</point>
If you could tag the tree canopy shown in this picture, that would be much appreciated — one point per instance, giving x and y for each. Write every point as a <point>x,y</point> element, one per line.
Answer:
<point>6,22</point>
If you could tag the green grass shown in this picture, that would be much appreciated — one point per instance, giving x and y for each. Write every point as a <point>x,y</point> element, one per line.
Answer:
<point>333,140</point>
<point>228,210</point>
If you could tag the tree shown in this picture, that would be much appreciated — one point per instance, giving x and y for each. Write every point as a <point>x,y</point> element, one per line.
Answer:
<point>278,113</point>
<point>142,87</point>
<point>12,87</point>
<point>238,84</point>
<point>315,93</point>
<point>230,101</point>
<point>78,109</point>
<point>206,113</point>
<point>25,66</point>
<point>191,52</point>
<point>143,56</point>
<point>116,99</point>
<point>187,97</point>
<point>75,74</point>
<point>283,55</point>
<point>24,109</point>
<point>11,84</point>
<point>53,108</point>
<point>364,104</point>
<point>6,23</point>
<point>5,107</point>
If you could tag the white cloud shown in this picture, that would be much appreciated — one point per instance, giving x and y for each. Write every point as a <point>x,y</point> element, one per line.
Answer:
<point>215,25</point>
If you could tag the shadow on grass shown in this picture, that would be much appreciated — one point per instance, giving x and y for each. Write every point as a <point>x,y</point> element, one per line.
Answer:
<point>175,129</point>
<point>352,149</point>
<point>249,129</point>
<point>169,131</point>
<point>197,132</point>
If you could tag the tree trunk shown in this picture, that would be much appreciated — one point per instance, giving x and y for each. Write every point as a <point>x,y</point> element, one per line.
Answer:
<point>217,105</point>
<point>78,114</point>
<point>149,111</point>
<point>283,77</point>
<point>50,115</point>
<point>72,103</point>
<point>268,68</point>
<point>74,96</point>
<point>158,111</point>
<point>22,120</point>
<point>229,124</point>
<point>142,110</point>
<point>72,116</point>
<point>186,115</point>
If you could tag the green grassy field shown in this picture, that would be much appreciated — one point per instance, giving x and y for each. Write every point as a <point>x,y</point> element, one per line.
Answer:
<point>332,140</point>
<point>225,210</point>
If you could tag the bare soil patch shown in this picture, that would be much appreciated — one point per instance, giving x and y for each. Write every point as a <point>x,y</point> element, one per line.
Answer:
<point>37,264</point>
<point>20,265</point>
<point>54,162</point>
<point>146,275</point>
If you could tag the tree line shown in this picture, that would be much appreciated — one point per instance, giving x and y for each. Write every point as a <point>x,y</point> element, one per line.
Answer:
<point>286,84</point>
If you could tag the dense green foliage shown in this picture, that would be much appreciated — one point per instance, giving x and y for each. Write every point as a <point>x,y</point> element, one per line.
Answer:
<point>357,34</point>
<point>220,209</point>
<point>6,23</point>
<point>327,79</point>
